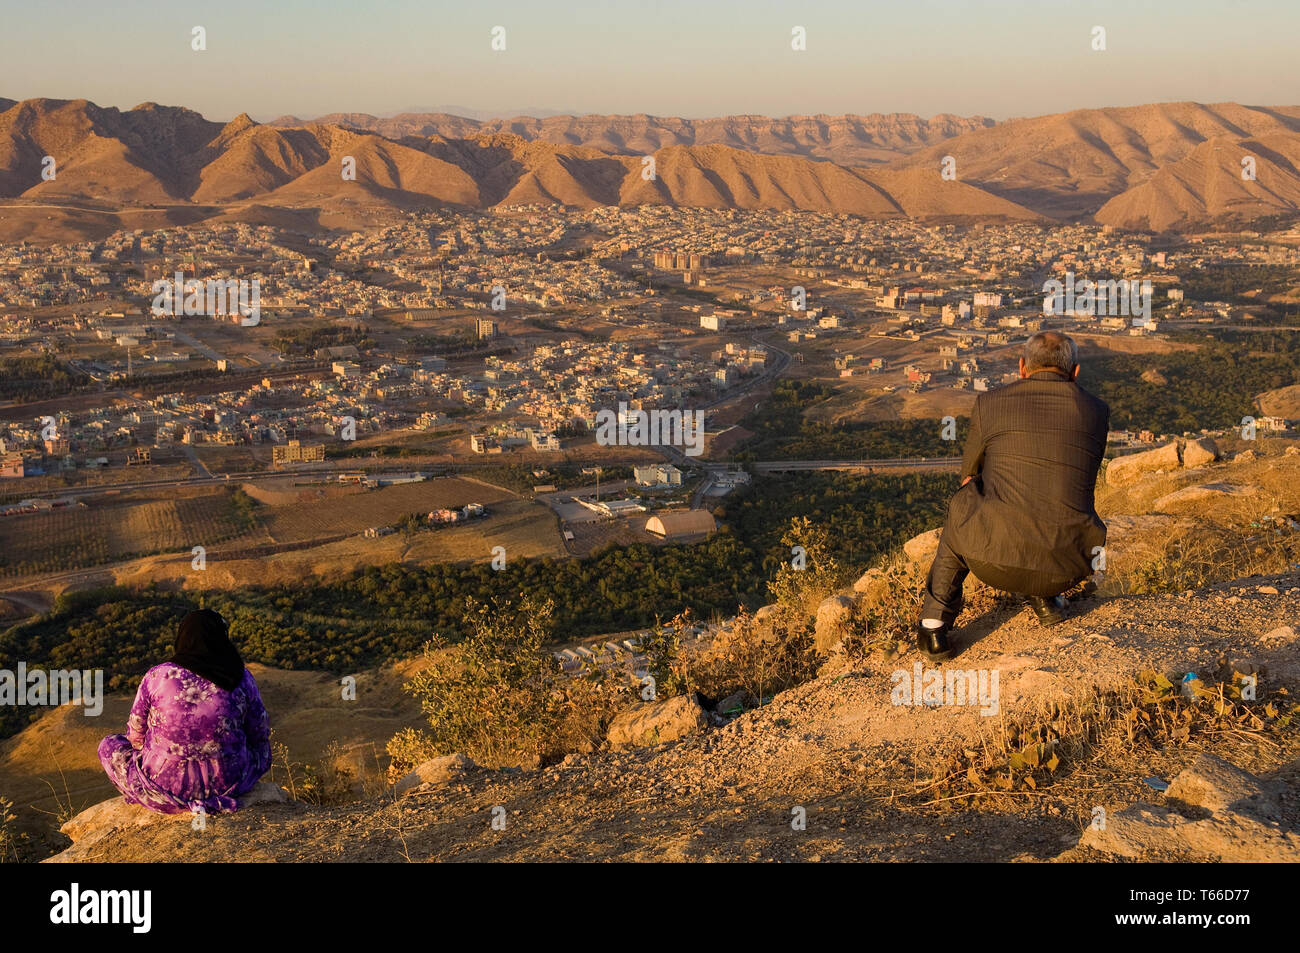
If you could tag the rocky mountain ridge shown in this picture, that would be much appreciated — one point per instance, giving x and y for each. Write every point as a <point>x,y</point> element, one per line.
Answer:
<point>1163,166</point>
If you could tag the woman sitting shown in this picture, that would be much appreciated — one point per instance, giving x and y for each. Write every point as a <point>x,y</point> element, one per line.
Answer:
<point>198,736</point>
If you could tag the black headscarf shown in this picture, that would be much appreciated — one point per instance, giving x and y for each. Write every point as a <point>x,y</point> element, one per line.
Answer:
<point>203,647</point>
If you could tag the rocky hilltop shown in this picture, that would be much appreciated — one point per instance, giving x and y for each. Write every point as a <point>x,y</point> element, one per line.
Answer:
<point>1154,724</point>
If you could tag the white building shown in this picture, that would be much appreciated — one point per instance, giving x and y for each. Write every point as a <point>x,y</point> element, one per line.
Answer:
<point>660,474</point>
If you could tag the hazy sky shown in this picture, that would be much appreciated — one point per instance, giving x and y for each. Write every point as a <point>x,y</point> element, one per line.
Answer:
<point>693,58</point>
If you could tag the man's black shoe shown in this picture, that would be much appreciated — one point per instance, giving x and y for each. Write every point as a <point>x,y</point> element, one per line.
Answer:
<point>933,643</point>
<point>1047,610</point>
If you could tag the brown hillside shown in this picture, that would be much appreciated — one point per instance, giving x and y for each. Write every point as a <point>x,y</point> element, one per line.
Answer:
<point>251,160</point>
<point>142,156</point>
<point>846,140</point>
<point>720,177</point>
<point>924,193</point>
<point>878,779</point>
<point>1069,164</point>
<point>1159,166</point>
<point>1207,185</point>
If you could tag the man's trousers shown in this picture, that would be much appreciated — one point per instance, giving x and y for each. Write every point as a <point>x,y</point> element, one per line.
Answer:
<point>949,571</point>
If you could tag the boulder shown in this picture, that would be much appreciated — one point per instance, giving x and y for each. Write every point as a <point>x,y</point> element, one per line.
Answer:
<point>115,814</point>
<point>1133,831</point>
<point>1241,827</point>
<point>1216,785</point>
<point>872,589</point>
<point>1281,636</point>
<point>921,549</point>
<point>1129,469</point>
<point>99,820</point>
<point>731,702</point>
<point>653,723</point>
<point>1246,456</point>
<point>433,774</point>
<point>1197,453</point>
<point>1237,838</point>
<point>1201,493</point>
<point>1149,832</point>
<point>869,581</point>
<point>833,616</point>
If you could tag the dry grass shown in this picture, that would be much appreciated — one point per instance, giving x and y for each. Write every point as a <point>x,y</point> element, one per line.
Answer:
<point>759,659</point>
<point>1062,746</point>
<point>500,699</point>
<point>1206,541</point>
<point>8,836</point>
<point>331,781</point>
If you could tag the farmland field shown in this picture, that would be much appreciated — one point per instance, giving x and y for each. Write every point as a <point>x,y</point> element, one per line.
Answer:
<point>357,512</point>
<point>526,530</point>
<point>110,529</point>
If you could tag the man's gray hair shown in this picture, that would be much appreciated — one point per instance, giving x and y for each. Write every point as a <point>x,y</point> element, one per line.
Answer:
<point>1051,349</point>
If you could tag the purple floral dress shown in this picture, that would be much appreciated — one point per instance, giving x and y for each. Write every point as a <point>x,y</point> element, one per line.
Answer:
<point>189,744</point>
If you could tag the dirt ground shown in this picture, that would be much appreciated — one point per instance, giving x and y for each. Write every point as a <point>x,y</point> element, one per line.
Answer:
<point>860,767</point>
<point>874,776</point>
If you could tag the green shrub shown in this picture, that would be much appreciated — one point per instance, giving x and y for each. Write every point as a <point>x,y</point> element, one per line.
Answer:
<point>499,697</point>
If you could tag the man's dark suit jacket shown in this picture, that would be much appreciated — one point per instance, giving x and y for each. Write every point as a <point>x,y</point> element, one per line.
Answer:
<point>1034,450</point>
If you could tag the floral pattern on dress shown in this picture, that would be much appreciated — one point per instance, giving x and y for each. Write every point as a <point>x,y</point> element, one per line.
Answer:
<point>189,744</point>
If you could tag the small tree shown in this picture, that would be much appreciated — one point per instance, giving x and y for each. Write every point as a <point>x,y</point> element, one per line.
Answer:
<point>496,697</point>
<point>664,661</point>
<point>808,573</point>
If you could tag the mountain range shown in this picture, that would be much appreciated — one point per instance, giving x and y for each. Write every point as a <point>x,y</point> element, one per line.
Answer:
<point>846,140</point>
<point>1156,167</point>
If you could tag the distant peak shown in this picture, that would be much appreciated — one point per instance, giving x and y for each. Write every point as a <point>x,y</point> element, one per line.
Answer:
<point>240,123</point>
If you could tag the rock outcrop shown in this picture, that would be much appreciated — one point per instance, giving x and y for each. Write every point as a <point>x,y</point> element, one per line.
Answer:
<point>1227,814</point>
<point>433,774</point>
<point>921,548</point>
<point>1201,493</point>
<point>1132,467</point>
<point>1217,785</point>
<point>653,723</point>
<point>1125,470</point>
<point>100,820</point>
<point>1198,453</point>
<point>833,616</point>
